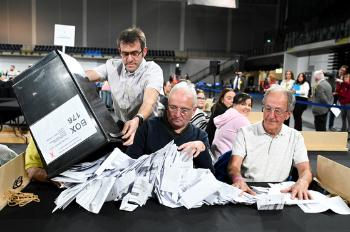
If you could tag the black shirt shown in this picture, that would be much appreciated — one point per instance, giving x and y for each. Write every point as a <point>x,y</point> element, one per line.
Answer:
<point>156,132</point>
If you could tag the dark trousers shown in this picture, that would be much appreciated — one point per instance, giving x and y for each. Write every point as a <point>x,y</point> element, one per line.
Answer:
<point>298,112</point>
<point>321,122</point>
<point>331,115</point>
<point>345,118</point>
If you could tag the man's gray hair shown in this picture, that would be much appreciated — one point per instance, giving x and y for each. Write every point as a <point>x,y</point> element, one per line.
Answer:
<point>289,95</point>
<point>188,88</point>
<point>320,74</point>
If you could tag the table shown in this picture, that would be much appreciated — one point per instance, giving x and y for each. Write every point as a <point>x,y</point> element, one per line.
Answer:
<point>155,217</point>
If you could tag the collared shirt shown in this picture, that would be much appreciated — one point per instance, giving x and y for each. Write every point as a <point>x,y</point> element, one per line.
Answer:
<point>267,158</point>
<point>128,88</point>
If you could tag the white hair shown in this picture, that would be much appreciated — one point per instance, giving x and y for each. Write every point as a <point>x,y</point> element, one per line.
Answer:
<point>320,74</point>
<point>188,88</point>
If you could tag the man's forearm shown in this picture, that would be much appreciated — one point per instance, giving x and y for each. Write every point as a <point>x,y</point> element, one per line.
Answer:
<point>146,109</point>
<point>234,171</point>
<point>92,75</point>
<point>306,175</point>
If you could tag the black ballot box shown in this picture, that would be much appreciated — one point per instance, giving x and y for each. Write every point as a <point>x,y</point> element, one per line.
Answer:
<point>66,117</point>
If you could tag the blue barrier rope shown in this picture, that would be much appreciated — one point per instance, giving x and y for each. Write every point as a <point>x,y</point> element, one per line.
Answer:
<point>322,105</point>
<point>260,96</point>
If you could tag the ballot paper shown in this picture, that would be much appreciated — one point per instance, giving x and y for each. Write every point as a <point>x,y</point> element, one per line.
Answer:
<point>317,204</point>
<point>270,202</point>
<point>335,110</point>
<point>167,175</point>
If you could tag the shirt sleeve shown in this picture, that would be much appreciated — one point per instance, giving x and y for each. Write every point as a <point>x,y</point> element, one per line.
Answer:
<point>102,71</point>
<point>300,152</point>
<point>32,158</point>
<point>154,77</point>
<point>239,147</point>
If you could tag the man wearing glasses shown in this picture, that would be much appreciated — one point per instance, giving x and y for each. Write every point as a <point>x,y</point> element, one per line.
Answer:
<point>265,151</point>
<point>175,125</point>
<point>135,83</point>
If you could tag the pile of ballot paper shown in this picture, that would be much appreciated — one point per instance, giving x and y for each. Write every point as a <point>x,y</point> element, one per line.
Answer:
<point>169,176</point>
<point>166,174</point>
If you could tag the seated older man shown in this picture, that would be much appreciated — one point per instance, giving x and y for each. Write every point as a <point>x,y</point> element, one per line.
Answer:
<point>175,125</point>
<point>266,151</point>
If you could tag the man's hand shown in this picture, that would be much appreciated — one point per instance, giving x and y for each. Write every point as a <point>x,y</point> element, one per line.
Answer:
<point>242,185</point>
<point>299,190</point>
<point>38,174</point>
<point>129,131</point>
<point>195,147</point>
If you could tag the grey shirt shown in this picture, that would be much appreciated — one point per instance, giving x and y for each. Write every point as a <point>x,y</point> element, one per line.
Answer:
<point>128,88</point>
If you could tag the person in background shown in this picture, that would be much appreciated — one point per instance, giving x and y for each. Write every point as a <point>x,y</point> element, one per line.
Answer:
<point>11,73</point>
<point>175,125</point>
<point>301,90</point>
<point>224,102</point>
<point>322,95</point>
<point>167,88</point>
<point>106,95</point>
<point>135,83</point>
<point>269,81</point>
<point>200,118</point>
<point>265,151</point>
<point>343,91</point>
<point>163,99</point>
<point>238,82</point>
<point>228,124</point>
<point>335,81</point>
<point>288,83</point>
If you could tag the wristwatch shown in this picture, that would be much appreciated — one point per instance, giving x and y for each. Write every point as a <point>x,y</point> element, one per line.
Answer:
<point>140,116</point>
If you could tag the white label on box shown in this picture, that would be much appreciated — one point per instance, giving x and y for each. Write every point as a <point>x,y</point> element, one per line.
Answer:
<point>63,129</point>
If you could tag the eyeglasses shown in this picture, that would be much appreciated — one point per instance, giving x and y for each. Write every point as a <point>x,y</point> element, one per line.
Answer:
<point>133,54</point>
<point>277,111</point>
<point>183,111</point>
<point>200,98</point>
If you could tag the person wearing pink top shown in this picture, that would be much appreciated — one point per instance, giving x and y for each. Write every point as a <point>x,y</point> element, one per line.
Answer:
<point>229,123</point>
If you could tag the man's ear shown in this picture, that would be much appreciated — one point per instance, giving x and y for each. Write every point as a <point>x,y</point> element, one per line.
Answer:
<point>288,115</point>
<point>144,51</point>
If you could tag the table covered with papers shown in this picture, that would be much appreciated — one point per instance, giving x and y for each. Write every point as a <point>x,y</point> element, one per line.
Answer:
<point>87,210</point>
<point>155,217</point>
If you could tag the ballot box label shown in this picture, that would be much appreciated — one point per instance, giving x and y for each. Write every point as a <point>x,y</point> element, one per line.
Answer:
<point>62,129</point>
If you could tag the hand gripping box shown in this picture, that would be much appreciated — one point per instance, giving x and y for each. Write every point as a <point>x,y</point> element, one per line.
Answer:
<point>66,117</point>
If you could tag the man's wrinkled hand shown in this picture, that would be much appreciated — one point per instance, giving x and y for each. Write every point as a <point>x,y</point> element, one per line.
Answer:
<point>242,185</point>
<point>299,190</point>
<point>194,148</point>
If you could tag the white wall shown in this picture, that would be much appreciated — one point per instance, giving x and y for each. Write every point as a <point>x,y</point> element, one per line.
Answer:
<point>306,63</point>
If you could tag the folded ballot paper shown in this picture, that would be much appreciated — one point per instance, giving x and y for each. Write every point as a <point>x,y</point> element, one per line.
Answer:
<point>166,174</point>
<point>271,199</point>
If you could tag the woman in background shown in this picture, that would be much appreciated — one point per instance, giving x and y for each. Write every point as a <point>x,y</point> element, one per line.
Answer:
<point>224,102</point>
<point>229,123</point>
<point>288,83</point>
<point>301,90</point>
<point>200,118</point>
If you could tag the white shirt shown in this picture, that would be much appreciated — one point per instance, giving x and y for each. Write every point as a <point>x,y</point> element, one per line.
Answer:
<point>267,158</point>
